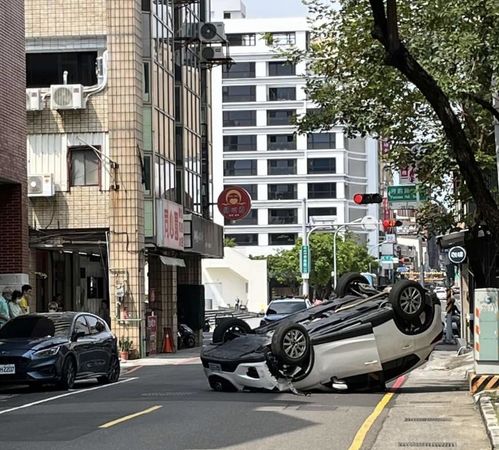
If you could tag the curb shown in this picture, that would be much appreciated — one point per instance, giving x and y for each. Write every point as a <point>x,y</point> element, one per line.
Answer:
<point>490,420</point>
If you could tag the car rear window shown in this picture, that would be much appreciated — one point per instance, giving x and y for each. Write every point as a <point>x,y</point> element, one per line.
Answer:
<point>283,307</point>
<point>35,327</point>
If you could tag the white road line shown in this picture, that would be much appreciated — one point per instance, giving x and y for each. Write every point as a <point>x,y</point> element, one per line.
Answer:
<point>45,400</point>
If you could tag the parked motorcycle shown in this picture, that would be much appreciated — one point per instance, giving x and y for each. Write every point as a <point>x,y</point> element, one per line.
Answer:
<point>185,337</point>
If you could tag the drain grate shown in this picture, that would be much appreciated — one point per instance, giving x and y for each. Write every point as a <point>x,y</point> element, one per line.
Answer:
<point>428,444</point>
<point>427,419</point>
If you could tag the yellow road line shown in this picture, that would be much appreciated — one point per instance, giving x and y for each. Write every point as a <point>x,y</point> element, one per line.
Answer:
<point>131,416</point>
<point>358,440</point>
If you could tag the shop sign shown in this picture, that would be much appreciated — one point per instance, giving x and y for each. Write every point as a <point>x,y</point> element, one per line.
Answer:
<point>457,254</point>
<point>234,203</point>
<point>170,221</point>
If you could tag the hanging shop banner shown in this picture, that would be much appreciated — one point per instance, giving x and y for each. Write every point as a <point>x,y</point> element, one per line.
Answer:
<point>234,203</point>
<point>170,225</point>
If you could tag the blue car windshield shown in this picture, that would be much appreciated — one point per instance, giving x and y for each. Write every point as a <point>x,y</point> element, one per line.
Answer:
<point>36,327</point>
<point>283,307</point>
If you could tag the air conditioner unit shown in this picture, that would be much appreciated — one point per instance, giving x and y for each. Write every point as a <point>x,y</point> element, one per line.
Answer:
<point>40,186</point>
<point>213,54</point>
<point>34,100</point>
<point>212,32</point>
<point>66,96</point>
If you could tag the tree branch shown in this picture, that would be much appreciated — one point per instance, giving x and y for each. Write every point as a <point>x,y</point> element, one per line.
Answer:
<point>380,29</point>
<point>488,106</point>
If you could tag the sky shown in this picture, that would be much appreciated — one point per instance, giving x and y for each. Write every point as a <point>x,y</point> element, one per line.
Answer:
<point>274,8</point>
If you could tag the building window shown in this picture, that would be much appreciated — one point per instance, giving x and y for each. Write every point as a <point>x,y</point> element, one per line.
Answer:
<point>281,142</point>
<point>226,14</point>
<point>146,5</point>
<point>281,166</point>
<point>243,239</point>
<point>250,219</point>
<point>84,166</point>
<point>239,118</point>
<point>242,40</point>
<point>252,190</point>
<point>146,174</point>
<point>314,212</point>
<point>238,94</point>
<point>45,69</point>
<point>318,141</point>
<point>281,93</point>
<point>288,38</point>
<point>282,238</point>
<point>243,143</point>
<point>280,116</point>
<point>283,216</point>
<point>240,167</point>
<point>239,70</point>
<point>321,165</point>
<point>281,191</point>
<point>281,69</point>
<point>322,190</point>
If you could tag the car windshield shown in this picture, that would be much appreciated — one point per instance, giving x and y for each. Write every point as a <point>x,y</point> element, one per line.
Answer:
<point>35,327</point>
<point>283,307</point>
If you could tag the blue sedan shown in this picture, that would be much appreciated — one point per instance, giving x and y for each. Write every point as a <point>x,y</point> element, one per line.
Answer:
<point>57,348</point>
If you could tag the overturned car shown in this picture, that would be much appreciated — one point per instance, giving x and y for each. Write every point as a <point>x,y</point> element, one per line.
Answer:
<point>362,338</point>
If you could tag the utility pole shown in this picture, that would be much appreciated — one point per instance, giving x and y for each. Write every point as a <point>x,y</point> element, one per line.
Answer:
<point>304,260</point>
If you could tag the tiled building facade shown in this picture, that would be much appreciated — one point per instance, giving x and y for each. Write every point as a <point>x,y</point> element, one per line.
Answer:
<point>124,163</point>
<point>14,259</point>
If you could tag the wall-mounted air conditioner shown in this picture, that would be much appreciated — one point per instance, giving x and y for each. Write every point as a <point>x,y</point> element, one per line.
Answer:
<point>212,32</point>
<point>213,54</point>
<point>34,100</point>
<point>40,186</point>
<point>66,96</point>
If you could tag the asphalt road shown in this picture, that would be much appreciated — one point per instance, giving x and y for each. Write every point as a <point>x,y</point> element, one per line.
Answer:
<point>179,412</point>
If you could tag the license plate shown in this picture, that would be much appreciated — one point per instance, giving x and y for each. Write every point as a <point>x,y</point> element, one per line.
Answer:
<point>7,369</point>
<point>215,367</point>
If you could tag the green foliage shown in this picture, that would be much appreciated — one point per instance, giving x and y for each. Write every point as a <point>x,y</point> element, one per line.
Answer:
<point>456,41</point>
<point>229,242</point>
<point>284,267</point>
<point>125,344</point>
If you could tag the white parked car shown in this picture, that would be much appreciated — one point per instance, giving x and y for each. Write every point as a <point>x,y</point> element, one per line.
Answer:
<point>441,292</point>
<point>362,338</point>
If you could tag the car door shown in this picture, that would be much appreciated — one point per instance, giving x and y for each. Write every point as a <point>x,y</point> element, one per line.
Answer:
<point>100,358</point>
<point>82,345</point>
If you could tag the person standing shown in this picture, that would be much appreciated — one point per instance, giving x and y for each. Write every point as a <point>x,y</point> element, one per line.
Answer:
<point>26,295</point>
<point>14,307</point>
<point>4,305</point>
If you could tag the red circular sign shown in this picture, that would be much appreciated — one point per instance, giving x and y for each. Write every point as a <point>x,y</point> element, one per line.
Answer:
<point>234,203</point>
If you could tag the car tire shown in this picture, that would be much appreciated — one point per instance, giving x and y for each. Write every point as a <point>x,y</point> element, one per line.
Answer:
<point>191,342</point>
<point>68,374</point>
<point>408,299</point>
<point>291,344</point>
<point>220,384</point>
<point>114,372</point>
<point>347,281</point>
<point>229,329</point>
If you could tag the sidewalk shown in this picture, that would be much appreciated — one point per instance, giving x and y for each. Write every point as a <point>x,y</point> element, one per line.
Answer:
<point>184,356</point>
<point>434,409</point>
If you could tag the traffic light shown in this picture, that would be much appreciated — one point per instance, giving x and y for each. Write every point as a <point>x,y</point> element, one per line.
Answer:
<point>364,199</point>
<point>391,223</point>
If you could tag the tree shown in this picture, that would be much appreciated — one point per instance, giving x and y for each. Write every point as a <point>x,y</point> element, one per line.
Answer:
<point>420,74</point>
<point>284,267</point>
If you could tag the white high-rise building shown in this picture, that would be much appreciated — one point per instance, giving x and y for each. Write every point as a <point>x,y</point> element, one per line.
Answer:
<point>255,145</point>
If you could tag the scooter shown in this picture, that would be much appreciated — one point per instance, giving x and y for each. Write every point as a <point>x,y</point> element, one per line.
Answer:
<point>185,337</point>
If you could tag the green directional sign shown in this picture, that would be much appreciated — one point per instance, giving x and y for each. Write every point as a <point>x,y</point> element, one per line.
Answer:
<point>406,195</point>
<point>305,259</point>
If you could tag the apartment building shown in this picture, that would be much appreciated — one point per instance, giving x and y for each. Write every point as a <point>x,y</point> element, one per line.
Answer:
<point>14,260</point>
<point>256,145</point>
<point>119,160</point>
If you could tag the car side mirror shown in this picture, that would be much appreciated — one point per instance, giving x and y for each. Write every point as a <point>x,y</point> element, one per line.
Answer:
<point>77,335</point>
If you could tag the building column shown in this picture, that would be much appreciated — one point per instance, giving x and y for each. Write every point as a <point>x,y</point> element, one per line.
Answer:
<point>126,230</point>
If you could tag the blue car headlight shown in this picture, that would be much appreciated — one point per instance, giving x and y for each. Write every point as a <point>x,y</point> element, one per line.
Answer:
<point>47,352</point>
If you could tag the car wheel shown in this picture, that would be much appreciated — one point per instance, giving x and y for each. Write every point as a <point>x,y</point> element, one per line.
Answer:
<point>114,372</point>
<point>68,374</point>
<point>230,329</point>
<point>220,384</point>
<point>348,282</point>
<point>191,342</point>
<point>291,344</point>
<point>408,300</point>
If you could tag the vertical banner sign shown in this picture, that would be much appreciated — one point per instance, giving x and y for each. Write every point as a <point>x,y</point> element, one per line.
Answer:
<point>170,225</point>
<point>305,259</point>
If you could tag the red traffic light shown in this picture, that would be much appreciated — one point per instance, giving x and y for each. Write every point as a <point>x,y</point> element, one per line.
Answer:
<point>364,199</point>
<point>391,223</point>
